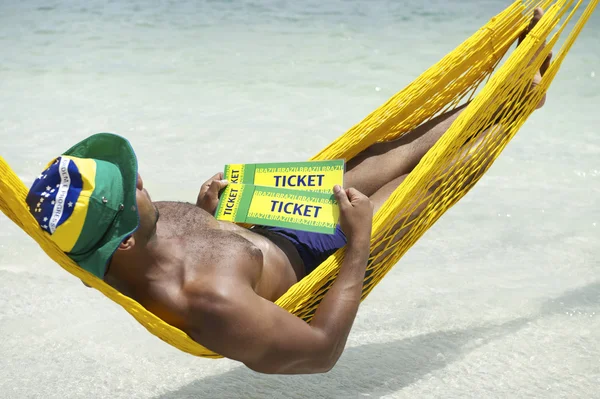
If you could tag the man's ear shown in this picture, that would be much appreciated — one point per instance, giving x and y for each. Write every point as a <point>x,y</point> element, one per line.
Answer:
<point>127,244</point>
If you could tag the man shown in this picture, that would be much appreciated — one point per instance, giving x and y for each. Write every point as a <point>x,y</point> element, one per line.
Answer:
<point>215,280</point>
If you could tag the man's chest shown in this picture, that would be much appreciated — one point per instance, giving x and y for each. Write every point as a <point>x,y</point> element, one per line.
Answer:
<point>204,246</point>
<point>180,219</point>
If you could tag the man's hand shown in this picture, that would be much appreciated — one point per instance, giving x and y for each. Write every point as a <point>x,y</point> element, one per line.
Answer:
<point>356,214</point>
<point>208,198</point>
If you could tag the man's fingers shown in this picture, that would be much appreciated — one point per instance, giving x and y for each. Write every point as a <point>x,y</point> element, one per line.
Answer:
<point>222,184</point>
<point>215,187</point>
<point>355,195</point>
<point>218,176</point>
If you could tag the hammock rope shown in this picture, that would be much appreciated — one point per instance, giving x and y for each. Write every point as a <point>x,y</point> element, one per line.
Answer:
<point>444,175</point>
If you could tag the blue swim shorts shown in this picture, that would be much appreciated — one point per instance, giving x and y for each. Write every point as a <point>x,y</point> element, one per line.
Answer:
<point>313,248</point>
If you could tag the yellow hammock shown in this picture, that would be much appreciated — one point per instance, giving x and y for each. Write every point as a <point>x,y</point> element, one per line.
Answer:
<point>441,88</point>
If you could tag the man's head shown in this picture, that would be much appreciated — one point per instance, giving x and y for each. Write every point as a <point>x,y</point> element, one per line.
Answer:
<point>91,200</point>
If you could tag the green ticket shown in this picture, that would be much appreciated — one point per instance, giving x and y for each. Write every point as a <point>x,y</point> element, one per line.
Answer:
<point>279,207</point>
<point>318,176</point>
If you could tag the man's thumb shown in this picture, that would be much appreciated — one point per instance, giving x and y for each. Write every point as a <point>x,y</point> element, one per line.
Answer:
<point>341,196</point>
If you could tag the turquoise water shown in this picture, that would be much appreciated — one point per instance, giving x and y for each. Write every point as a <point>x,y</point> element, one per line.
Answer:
<point>499,299</point>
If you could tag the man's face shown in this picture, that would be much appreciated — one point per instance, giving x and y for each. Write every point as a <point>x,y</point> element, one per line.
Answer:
<point>147,210</point>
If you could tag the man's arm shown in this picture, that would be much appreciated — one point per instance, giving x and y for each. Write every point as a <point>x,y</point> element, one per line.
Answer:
<point>235,322</point>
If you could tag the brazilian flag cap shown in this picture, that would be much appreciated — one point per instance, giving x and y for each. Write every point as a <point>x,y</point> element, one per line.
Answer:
<point>86,200</point>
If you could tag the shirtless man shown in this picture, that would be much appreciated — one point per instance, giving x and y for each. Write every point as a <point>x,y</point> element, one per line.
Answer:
<point>215,280</point>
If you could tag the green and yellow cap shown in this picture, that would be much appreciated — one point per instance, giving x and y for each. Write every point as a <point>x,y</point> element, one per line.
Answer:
<point>86,199</point>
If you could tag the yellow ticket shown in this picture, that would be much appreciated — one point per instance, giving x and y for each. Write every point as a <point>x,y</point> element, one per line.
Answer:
<point>319,176</point>
<point>280,207</point>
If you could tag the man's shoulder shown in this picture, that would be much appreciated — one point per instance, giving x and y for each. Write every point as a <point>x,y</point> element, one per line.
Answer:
<point>214,289</point>
<point>198,287</point>
<point>213,302</point>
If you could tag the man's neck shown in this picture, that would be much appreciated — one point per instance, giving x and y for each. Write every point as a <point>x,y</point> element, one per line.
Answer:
<point>130,273</point>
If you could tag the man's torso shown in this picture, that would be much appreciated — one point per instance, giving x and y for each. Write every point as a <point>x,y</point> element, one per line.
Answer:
<point>201,250</point>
